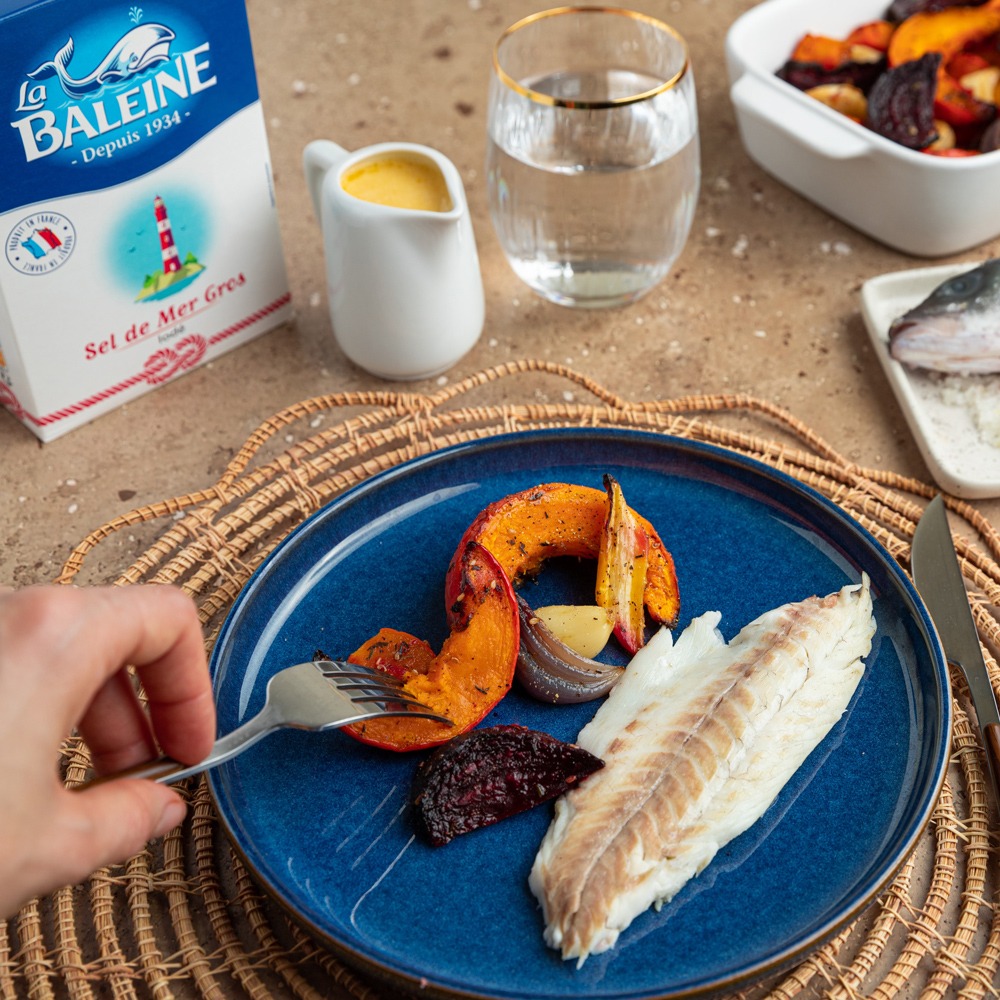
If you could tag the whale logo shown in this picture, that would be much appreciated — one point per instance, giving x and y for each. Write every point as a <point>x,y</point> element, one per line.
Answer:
<point>135,51</point>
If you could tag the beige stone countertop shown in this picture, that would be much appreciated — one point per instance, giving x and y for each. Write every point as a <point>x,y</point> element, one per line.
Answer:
<point>763,300</point>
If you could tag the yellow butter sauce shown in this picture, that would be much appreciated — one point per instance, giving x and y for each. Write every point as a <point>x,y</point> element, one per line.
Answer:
<point>399,183</point>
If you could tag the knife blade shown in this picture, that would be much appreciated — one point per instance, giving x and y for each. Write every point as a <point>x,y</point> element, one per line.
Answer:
<point>938,579</point>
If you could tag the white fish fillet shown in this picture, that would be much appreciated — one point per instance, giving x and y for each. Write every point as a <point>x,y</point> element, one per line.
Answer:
<point>698,738</point>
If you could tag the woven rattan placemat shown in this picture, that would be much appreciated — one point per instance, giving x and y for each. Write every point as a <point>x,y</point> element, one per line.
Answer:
<point>184,919</point>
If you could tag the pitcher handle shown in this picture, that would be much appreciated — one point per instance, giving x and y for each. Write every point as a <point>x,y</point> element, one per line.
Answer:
<point>318,158</point>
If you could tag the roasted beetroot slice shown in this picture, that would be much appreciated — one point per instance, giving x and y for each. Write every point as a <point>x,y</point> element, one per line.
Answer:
<point>990,141</point>
<point>901,104</point>
<point>806,75</point>
<point>489,774</point>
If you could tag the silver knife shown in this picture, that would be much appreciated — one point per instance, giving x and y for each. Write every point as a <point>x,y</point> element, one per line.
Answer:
<point>938,578</point>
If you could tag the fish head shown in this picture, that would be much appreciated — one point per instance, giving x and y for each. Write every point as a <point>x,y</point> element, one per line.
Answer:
<point>956,328</point>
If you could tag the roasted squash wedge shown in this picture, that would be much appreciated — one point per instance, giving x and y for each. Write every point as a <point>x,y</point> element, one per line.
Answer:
<point>473,671</point>
<point>945,31</point>
<point>525,529</point>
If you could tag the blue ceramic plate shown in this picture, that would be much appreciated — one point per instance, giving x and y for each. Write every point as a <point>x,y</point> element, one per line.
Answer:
<point>323,821</point>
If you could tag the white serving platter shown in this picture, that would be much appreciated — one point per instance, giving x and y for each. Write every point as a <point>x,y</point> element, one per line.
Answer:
<point>960,460</point>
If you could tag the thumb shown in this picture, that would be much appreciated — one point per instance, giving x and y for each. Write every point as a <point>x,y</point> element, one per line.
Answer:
<point>110,822</point>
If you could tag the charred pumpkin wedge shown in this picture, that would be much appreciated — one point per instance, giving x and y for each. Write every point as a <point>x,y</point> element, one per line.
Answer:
<point>471,673</point>
<point>525,529</point>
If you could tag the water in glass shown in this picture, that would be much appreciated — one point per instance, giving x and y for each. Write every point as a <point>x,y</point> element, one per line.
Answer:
<point>593,206</point>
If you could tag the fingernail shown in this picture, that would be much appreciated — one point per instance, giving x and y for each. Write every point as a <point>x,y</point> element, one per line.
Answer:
<point>173,815</point>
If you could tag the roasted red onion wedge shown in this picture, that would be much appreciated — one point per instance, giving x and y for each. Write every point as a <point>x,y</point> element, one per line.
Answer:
<point>550,671</point>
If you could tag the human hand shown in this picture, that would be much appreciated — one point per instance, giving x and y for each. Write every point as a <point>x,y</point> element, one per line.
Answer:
<point>63,653</point>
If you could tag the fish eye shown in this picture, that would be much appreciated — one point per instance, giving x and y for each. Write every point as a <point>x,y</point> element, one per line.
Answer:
<point>963,285</point>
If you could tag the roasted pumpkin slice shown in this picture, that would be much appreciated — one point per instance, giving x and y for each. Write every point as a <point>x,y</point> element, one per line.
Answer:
<point>945,31</point>
<point>393,652</point>
<point>473,671</point>
<point>561,519</point>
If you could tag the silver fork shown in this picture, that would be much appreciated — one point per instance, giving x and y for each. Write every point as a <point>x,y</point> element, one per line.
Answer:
<point>319,695</point>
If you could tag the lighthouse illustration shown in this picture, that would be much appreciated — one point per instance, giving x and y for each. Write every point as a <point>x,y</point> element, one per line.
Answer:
<point>171,259</point>
<point>176,274</point>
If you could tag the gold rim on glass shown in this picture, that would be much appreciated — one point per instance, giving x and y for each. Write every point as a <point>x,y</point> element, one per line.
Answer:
<point>617,102</point>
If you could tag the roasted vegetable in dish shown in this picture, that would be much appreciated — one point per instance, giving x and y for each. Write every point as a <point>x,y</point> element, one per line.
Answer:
<point>901,104</point>
<point>926,76</point>
<point>491,774</point>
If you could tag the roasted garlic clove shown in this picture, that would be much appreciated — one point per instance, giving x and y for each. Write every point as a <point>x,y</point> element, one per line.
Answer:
<point>584,628</point>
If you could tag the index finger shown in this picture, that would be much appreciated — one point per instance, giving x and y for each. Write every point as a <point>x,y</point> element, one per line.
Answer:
<point>156,629</point>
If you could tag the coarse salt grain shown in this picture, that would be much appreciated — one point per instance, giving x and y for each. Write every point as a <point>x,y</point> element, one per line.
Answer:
<point>981,397</point>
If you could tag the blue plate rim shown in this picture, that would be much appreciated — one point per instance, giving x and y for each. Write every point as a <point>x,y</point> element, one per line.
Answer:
<point>769,965</point>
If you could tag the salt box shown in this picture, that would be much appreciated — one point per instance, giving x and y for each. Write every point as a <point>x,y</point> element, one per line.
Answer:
<point>137,214</point>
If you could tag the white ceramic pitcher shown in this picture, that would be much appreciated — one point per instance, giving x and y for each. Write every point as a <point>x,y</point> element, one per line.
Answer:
<point>405,289</point>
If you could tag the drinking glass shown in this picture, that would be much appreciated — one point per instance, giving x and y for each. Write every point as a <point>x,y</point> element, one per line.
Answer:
<point>592,159</point>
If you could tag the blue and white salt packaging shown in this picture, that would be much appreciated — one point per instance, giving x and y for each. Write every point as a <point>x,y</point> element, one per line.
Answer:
<point>137,212</point>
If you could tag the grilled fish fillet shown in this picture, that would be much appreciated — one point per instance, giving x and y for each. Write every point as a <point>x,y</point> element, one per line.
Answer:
<point>698,738</point>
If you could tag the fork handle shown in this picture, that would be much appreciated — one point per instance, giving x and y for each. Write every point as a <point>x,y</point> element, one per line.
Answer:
<point>166,770</point>
<point>162,769</point>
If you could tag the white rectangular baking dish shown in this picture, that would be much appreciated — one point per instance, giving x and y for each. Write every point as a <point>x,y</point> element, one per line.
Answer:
<point>927,206</point>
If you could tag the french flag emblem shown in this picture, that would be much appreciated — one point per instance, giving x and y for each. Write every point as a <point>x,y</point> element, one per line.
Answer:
<point>41,242</point>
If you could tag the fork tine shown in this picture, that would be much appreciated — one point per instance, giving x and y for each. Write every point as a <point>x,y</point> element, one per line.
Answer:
<point>410,712</point>
<point>337,670</point>
<point>388,697</point>
<point>362,684</point>
<point>398,704</point>
<point>383,691</point>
